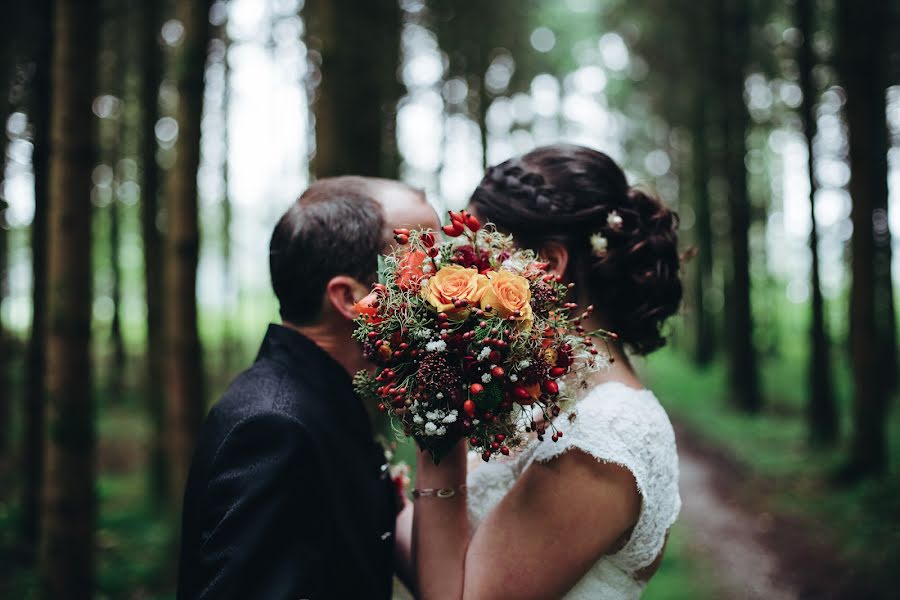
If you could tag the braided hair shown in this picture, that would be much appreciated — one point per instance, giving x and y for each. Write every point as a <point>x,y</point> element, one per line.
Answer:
<point>570,195</point>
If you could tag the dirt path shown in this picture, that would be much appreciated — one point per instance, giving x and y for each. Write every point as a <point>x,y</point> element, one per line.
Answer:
<point>728,536</point>
<point>754,553</point>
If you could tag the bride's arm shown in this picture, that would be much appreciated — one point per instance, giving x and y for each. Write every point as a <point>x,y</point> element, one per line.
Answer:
<point>545,534</point>
<point>440,526</point>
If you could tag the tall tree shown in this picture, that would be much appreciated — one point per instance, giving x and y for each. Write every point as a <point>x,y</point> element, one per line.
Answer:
<point>112,73</point>
<point>183,361</point>
<point>704,332</point>
<point>152,69</point>
<point>821,409</point>
<point>67,542</point>
<point>35,368</point>
<point>8,60</point>
<point>359,43</point>
<point>733,59</point>
<point>227,214</point>
<point>862,70</point>
<point>463,31</point>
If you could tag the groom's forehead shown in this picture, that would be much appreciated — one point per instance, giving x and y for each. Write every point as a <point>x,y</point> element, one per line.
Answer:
<point>410,210</point>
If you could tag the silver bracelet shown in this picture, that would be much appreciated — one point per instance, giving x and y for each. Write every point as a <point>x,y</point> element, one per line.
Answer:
<point>445,493</point>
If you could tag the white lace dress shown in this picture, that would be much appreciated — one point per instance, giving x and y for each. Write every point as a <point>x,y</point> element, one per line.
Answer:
<point>617,424</point>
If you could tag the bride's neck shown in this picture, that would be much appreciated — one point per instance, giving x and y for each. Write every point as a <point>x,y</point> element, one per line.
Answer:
<point>620,368</point>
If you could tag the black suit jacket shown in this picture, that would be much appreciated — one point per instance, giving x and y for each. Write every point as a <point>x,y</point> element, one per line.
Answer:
<point>288,495</point>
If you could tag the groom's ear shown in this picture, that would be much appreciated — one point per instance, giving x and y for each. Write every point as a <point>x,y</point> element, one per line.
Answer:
<point>557,257</point>
<point>342,292</point>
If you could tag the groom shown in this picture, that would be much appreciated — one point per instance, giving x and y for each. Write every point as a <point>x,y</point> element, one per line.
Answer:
<point>289,495</point>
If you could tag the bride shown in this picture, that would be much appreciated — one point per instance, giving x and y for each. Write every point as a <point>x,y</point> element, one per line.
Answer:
<point>587,516</point>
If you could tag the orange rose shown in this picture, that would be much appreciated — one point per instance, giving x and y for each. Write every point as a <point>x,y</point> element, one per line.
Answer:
<point>409,270</point>
<point>509,295</point>
<point>453,281</point>
<point>367,308</point>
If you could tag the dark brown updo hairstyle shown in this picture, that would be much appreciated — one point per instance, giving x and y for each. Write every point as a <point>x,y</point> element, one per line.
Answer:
<point>565,194</point>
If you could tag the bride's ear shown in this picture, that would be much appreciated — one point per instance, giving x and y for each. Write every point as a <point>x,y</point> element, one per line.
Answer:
<point>556,256</point>
<point>342,292</point>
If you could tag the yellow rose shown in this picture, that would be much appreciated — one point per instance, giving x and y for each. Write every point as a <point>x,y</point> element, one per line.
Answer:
<point>508,294</point>
<point>453,281</point>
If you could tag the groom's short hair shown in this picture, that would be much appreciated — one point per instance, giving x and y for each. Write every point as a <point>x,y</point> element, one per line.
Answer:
<point>335,228</point>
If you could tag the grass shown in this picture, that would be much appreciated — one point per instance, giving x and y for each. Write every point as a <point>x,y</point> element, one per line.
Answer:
<point>861,522</point>
<point>682,574</point>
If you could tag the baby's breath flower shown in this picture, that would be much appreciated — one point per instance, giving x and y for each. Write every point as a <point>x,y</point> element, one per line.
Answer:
<point>486,378</point>
<point>599,244</point>
<point>436,346</point>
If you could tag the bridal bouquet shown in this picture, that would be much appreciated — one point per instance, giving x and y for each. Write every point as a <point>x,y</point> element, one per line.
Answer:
<point>470,338</point>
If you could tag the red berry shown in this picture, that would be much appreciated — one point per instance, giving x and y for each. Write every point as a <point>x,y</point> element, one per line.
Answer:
<point>433,251</point>
<point>401,238</point>
<point>428,239</point>
<point>521,393</point>
<point>473,441</point>
<point>556,372</point>
<point>454,230</point>
<point>455,216</point>
<point>494,356</point>
<point>382,407</point>
<point>554,437</point>
<point>497,372</point>
<point>486,455</point>
<point>551,387</point>
<point>401,231</point>
<point>476,388</point>
<point>500,437</point>
<point>504,451</point>
<point>559,433</point>
<point>495,446</point>
<point>472,223</point>
<point>469,408</point>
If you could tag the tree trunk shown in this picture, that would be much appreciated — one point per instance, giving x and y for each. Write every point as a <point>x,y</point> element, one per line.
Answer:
<point>861,64</point>
<point>359,44</point>
<point>185,399</point>
<point>704,332</point>
<point>67,541</point>
<point>35,367</point>
<point>114,75</point>
<point>821,409</point>
<point>228,345</point>
<point>743,360</point>
<point>153,271</point>
<point>7,68</point>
